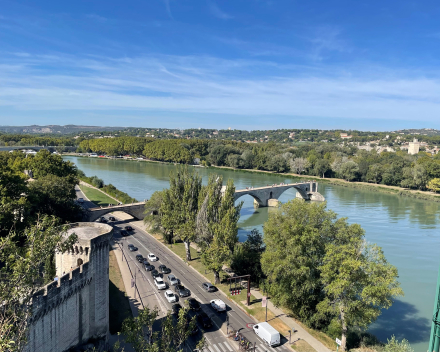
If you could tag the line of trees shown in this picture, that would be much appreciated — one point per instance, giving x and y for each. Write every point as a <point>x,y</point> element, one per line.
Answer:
<point>311,262</point>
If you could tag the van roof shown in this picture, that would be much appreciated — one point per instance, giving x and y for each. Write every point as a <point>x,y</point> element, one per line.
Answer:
<point>268,327</point>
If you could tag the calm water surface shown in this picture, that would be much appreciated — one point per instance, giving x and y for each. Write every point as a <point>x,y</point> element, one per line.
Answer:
<point>407,230</point>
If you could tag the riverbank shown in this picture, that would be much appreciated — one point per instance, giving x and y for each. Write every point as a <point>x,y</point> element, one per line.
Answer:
<point>399,191</point>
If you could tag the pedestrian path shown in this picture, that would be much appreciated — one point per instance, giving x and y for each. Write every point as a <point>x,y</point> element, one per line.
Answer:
<point>226,347</point>
<point>300,332</point>
<point>220,347</point>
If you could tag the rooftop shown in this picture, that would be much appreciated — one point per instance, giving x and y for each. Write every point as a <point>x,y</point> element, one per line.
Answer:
<point>88,230</point>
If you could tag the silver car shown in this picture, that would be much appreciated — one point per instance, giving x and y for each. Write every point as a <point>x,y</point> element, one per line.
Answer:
<point>172,280</point>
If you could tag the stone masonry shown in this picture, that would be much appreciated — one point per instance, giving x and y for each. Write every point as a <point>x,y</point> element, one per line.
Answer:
<point>74,309</point>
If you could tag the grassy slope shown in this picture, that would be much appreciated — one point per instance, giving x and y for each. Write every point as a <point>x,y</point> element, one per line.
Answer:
<point>119,306</point>
<point>96,196</point>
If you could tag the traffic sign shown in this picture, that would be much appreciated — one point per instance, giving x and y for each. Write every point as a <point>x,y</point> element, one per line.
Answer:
<point>249,294</point>
<point>339,342</point>
<point>264,301</point>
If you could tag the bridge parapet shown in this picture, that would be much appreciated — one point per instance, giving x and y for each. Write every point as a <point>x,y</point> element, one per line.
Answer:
<point>135,209</point>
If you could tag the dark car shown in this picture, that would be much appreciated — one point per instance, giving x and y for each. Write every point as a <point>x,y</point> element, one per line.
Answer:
<point>140,258</point>
<point>194,304</point>
<point>164,270</point>
<point>128,228</point>
<point>176,308</point>
<point>103,219</point>
<point>209,287</point>
<point>111,218</point>
<point>149,267</point>
<point>145,261</point>
<point>181,291</point>
<point>124,233</point>
<point>154,273</point>
<point>204,320</point>
<point>132,248</point>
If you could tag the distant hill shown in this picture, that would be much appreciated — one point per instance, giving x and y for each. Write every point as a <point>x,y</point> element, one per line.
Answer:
<point>421,131</point>
<point>56,129</point>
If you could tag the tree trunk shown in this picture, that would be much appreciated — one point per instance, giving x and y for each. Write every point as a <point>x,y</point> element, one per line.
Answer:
<point>188,250</point>
<point>344,330</point>
<point>216,277</point>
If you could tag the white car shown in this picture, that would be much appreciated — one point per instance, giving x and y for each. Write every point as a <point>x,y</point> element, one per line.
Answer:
<point>218,305</point>
<point>160,284</point>
<point>170,296</point>
<point>152,258</point>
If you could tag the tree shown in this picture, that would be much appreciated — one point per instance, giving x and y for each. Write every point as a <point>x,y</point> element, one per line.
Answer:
<point>24,256</point>
<point>374,173</point>
<point>247,256</point>
<point>153,215</point>
<point>217,230</point>
<point>434,185</point>
<point>348,170</point>
<point>393,345</point>
<point>53,195</point>
<point>321,167</point>
<point>414,177</point>
<point>358,281</point>
<point>299,165</point>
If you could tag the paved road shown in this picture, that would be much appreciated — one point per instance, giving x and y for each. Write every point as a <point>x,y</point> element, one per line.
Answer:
<point>86,204</point>
<point>217,342</point>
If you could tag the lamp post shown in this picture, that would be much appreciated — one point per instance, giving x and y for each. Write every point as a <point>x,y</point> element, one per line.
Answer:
<point>290,336</point>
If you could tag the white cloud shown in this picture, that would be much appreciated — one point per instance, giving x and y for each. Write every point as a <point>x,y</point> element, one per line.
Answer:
<point>215,11</point>
<point>203,85</point>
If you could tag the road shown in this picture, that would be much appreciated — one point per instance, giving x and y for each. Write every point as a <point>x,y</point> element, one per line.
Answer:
<point>192,280</point>
<point>151,296</point>
<point>86,204</point>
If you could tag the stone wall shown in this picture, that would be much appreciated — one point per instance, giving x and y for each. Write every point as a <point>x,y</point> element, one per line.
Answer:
<point>74,309</point>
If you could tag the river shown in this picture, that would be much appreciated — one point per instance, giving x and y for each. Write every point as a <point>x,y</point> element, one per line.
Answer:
<point>407,229</point>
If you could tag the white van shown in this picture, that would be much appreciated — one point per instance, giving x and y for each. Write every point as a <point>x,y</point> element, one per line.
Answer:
<point>267,333</point>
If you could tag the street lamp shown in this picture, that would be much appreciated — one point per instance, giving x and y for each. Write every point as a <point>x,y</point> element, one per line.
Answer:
<point>290,336</point>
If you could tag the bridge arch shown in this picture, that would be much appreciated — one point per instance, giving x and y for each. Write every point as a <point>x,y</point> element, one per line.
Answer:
<point>135,210</point>
<point>253,195</point>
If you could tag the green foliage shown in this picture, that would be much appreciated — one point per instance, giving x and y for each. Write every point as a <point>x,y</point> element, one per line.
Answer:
<point>321,268</point>
<point>168,150</point>
<point>26,265</point>
<point>434,185</point>
<point>393,345</point>
<point>247,256</point>
<point>217,230</point>
<point>153,216</point>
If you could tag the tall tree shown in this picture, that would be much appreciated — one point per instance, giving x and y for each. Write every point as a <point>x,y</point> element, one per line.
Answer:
<point>358,281</point>
<point>217,230</point>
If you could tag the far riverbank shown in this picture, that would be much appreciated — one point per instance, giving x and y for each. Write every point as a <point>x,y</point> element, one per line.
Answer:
<point>399,191</point>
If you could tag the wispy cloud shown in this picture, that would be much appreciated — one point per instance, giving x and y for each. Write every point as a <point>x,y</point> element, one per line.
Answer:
<point>326,39</point>
<point>168,8</point>
<point>203,85</point>
<point>217,12</point>
<point>97,18</point>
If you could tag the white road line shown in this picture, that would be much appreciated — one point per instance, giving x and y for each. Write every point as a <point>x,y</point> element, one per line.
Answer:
<point>229,347</point>
<point>216,348</point>
<point>221,347</point>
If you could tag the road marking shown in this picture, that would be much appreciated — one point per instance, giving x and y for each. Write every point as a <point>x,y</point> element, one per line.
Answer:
<point>229,347</point>
<point>216,348</point>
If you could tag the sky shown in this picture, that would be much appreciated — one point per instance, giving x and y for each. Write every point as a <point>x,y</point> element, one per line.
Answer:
<point>245,64</point>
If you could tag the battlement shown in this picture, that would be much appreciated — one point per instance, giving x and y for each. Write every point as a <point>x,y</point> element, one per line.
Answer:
<point>49,296</point>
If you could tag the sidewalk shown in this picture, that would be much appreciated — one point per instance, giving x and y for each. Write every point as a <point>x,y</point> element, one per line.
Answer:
<point>299,331</point>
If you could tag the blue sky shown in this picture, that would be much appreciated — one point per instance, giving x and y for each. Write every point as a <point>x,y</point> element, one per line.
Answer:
<point>248,64</point>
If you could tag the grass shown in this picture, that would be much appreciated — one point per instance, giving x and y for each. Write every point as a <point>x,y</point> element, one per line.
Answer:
<point>97,197</point>
<point>302,346</point>
<point>119,306</point>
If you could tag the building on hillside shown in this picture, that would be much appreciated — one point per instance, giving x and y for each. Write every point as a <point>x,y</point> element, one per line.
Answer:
<point>72,312</point>
<point>346,136</point>
<point>413,147</point>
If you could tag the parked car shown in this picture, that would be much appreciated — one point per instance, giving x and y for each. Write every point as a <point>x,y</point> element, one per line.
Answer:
<point>181,291</point>
<point>124,233</point>
<point>80,200</point>
<point>194,304</point>
<point>152,257</point>
<point>172,280</point>
<point>149,267</point>
<point>103,219</point>
<point>176,308</point>
<point>160,284</point>
<point>204,320</point>
<point>164,270</point>
<point>145,261</point>
<point>140,258</point>
<point>128,228</point>
<point>218,305</point>
<point>111,218</point>
<point>267,333</point>
<point>209,287</point>
<point>154,273</point>
<point>170,296</point>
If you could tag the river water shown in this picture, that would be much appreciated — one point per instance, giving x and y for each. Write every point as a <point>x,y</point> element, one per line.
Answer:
<point>407,229</point>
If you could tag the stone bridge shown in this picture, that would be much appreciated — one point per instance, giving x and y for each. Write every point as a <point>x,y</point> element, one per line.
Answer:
<point>136,210</point>
<point>268,196</point>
